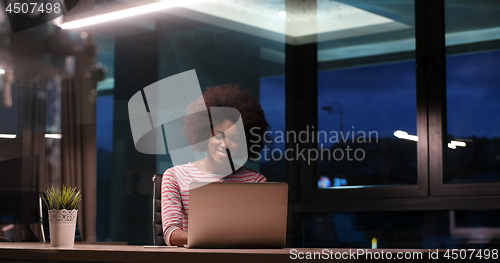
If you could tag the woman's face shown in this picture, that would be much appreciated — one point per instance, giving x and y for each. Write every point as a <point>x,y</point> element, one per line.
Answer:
<point>226,136</point>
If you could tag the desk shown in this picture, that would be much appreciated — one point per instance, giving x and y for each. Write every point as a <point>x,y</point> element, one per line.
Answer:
<point>42,252</point>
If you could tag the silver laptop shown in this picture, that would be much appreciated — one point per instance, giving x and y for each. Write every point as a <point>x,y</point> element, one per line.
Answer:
<point>237,215</point>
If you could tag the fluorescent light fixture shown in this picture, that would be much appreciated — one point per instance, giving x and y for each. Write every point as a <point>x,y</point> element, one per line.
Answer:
<point>2,71</point>
<point>53,136</point>
<point>134,11</point>
<point>453,144</point>
<point>13,136</point>
<point>404,135</point>
<point>282,14</point>
<point>458,143</point>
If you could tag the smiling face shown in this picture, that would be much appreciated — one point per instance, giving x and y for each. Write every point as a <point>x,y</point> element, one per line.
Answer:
<point>217,156</point>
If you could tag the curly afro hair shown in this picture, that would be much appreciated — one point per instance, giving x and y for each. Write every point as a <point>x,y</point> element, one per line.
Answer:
<point>196,127</point>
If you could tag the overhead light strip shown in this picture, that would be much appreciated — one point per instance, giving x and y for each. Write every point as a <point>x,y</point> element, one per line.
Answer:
<point>129,12</point>
<point>404,135</point>
<point>53,136</point>
<point>48,136</point>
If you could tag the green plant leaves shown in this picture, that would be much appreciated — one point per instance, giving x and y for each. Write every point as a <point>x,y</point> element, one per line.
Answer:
<point>62,198</point>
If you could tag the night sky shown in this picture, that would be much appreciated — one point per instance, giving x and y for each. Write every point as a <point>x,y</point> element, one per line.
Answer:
<point>473,94</point>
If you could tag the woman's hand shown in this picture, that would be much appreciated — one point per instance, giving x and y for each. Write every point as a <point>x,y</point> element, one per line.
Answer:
<point>179,238</point>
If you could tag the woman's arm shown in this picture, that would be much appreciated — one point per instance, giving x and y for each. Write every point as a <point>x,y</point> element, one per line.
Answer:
<point>260,178</point>
<point>171,206</point>
<point>179,238</point>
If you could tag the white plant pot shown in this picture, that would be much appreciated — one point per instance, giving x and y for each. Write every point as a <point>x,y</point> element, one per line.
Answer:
<point>62,226</point>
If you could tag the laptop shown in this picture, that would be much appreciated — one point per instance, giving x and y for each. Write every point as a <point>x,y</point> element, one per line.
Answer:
<point>237,215</point>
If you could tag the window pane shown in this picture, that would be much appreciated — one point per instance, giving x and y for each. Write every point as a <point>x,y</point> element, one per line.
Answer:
<point>9,104</point>
<point>223,46</point>
<point>367,97</point>
<point>104,148</point>
<point>473,92</point>
<point>272,99</point>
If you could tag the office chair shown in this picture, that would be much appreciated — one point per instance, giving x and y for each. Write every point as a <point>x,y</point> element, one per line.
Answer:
<point>42,215</point>
<point>156,224</point>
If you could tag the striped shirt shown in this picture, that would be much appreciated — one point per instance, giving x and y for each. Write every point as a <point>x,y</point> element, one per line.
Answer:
<point>175,193</point>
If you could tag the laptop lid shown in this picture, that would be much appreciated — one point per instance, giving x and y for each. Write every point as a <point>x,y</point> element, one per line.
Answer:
<point>237,215</point>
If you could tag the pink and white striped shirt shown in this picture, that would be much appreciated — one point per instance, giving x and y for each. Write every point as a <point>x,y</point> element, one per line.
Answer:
<point>175,193</point>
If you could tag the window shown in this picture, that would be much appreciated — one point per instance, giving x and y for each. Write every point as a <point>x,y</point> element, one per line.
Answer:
<point>461,111</point>
<point>366,131</point>
<point>143,50</point>
<point>361,109</point>
<point>472,92</point>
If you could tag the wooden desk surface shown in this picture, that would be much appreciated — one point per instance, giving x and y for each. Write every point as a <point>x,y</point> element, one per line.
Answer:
<point>40,252</point>
<point>124,253</point>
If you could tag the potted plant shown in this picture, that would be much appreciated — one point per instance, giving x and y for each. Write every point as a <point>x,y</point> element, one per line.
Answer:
<point>63,210</point>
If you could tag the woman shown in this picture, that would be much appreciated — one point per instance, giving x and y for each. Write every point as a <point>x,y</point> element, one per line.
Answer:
<point>224,144</point>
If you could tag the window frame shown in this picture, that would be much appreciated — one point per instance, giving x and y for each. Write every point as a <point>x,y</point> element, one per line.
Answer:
<point>429,193</point>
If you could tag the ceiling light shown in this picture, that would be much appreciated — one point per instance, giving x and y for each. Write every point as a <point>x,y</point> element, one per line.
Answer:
<point>282,14</point>
<point>2,71</point>
<point>53,136</point>
<point>458,143</point>
<point>452,146</point>
<point>8,136</point>
<point>404,135</point>
<point>134,11</point>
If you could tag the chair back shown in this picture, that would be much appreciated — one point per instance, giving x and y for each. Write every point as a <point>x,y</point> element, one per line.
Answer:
<point>157,227</point>
<point>44,218</point>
